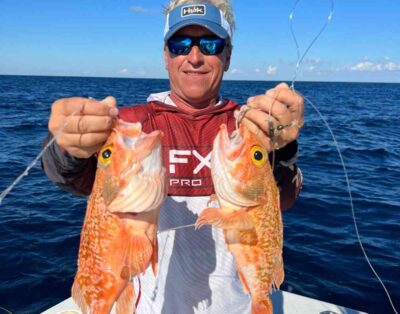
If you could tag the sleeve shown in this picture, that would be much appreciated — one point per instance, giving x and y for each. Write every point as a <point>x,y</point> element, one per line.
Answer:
<point>71,174</point>
<point>287,175</point>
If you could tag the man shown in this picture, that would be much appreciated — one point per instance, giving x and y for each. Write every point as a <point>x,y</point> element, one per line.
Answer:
<point>196,273</point>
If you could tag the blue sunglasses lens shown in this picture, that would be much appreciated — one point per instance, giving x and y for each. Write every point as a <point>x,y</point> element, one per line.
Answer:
<point>211,45</point>
<point>180,45</point>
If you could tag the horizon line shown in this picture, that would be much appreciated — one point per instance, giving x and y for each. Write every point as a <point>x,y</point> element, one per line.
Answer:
<point>225,79</point>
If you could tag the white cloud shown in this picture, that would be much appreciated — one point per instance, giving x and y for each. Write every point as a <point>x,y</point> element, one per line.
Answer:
<point>124,72</point>
<point>257,70</point>
<point>311,68</point>
<point>141,72</point>
<point>369,66</point>
<point>142,10</point>
<point>313,61</point>
<point>271,70</point>
<point>236,71</point>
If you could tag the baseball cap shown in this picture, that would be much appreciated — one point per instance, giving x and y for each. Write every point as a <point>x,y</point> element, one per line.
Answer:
<point>203,14</point>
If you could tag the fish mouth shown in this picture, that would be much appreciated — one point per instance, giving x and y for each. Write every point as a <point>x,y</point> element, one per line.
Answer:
<point>143,182</point>
<point>231,145</point>
<point>227,150</point>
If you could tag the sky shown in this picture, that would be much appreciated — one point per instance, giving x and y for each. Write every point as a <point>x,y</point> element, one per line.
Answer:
<point>124,38</point>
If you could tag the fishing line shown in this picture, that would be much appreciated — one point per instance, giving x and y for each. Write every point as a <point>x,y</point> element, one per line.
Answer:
<point>34,161</point>
<point>5,310</point>
<point>351,200</point>
<point>300,59</point>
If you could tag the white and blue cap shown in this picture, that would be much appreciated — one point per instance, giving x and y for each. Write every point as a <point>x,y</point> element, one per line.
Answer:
<point>203,14</point>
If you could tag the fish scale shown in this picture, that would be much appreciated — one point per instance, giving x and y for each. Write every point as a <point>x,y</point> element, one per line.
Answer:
<point>253,232</point>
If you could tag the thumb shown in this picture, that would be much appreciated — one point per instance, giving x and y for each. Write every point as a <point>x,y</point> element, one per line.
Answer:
<point>111,102</point>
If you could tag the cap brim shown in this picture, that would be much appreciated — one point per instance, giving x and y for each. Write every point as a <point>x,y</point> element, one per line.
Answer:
<point>212,27</point>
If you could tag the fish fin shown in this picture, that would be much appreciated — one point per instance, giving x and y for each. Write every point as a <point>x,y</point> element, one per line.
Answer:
<point>279,274</point>
<point>238,219</point>
<point>78,297</point>
<point>130,254</point>
<point>139,254</point>
<point>246,288</point>
<point>126,301</point>
<point>154,257</point>
<point>262,307</point>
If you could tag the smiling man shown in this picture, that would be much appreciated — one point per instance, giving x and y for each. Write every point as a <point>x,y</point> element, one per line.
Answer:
<point>196,273</point>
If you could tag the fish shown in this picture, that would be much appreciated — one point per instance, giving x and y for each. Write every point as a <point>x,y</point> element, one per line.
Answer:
<point>248,213</point>
<point>119,234</point>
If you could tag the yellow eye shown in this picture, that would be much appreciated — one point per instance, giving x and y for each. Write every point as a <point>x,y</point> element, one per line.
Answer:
<point>105,156</point>
<point>258,156</point>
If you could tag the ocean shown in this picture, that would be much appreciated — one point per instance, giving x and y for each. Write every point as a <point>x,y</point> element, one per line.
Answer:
<point>40,225</point>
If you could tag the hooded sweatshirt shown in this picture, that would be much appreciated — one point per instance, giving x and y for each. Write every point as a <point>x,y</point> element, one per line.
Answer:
<point>196,273</point>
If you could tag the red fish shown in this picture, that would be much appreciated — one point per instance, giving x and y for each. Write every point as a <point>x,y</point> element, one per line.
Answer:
<point>249,213</point>
<point>119,235</point>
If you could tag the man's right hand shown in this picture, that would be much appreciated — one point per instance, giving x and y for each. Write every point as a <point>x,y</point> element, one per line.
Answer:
<point>85,123</point>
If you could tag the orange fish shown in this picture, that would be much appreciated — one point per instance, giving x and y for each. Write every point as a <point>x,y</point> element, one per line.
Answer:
<point>119,235</point>
<point>249,213</point>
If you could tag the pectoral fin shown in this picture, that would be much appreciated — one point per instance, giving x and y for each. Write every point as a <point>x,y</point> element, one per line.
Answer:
<point>215,216</point>
<point>130,254</point>
<point>126,301</point>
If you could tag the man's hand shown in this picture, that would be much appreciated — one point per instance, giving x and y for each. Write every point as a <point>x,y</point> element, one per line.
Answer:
<point>85,124</point>
<point>276,117</point>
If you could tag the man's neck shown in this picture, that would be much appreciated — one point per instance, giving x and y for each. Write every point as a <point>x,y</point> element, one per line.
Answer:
<point>192,106</point>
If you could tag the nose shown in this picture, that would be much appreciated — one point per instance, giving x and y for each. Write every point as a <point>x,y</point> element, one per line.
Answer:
<point>195,57</point>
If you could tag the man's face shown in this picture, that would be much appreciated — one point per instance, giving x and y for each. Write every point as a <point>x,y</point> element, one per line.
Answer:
<point>195,78</point>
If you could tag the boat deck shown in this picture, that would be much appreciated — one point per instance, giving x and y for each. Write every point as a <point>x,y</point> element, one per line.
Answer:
<point>284,303</point>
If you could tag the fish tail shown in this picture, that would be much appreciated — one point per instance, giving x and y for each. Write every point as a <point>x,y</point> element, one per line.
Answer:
<point>78,297</point>
<point>126,301</point>
<point>262,306</point>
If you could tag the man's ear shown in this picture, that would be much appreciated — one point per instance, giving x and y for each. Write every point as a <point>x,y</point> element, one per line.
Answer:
<point>166,57</point>
<point>228,57</point>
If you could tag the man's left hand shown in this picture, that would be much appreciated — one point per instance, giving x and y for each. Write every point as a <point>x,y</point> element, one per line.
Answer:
<point>275,117</point>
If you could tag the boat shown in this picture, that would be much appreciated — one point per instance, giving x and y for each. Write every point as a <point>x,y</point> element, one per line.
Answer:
<point>284,303</point>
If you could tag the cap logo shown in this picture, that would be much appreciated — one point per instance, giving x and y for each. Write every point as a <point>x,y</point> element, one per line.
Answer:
<point>193,10</point>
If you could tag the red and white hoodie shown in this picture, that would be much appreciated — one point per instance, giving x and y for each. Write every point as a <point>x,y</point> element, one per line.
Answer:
<point>196,274</point>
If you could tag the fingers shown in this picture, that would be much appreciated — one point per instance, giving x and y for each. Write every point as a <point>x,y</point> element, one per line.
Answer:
<point>268,109</point>
<point>83,153</point>
<point>293,101</point>
<point>84,141</point>
<point>87,124</point>
<point>264,139</point>
<point>279,114</point>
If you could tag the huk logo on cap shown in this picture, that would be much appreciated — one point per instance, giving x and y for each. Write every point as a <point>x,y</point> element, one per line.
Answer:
<point>193,10</point>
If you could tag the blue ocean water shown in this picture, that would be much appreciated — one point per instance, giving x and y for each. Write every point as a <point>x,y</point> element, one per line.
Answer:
<point>40,225</point>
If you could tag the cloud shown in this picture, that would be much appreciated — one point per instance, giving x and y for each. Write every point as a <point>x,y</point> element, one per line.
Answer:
<point>311,68</point>
<point>142,10</point>
<point>124,72</point>
<point>369,66</point>
<point>271,70</point>
<point>236,71</point>
<point>312,61</point>
<point>257,70</point>
<point>141,72</point>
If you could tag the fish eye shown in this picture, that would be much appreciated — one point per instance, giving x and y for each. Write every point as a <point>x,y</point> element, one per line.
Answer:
<point>258,156</point>
<point>105,156</point>
<point>106,153</point>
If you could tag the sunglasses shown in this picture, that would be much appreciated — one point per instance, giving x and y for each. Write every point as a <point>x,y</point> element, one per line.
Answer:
<point>208,45</point>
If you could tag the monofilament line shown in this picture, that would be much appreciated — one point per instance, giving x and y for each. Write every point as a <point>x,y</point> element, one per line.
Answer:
<point>300,57</point>
<point>177,228</point>
<point>351,202</point>
<point>32,164</point>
